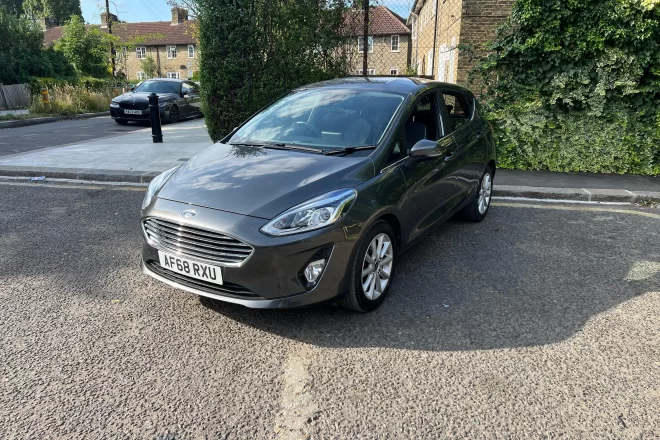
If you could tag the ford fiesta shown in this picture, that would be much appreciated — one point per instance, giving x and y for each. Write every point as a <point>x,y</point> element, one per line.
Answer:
<point>313,199</point>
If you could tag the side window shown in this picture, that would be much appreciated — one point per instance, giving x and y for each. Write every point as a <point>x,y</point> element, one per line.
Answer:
<point>398,150</point>
<point>192,87</point>
<point>186,89</point>
<point>458,108</point>
<point>423,122</point>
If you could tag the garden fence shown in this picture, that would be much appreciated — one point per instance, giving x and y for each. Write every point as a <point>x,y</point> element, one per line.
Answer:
<point>14,96</point>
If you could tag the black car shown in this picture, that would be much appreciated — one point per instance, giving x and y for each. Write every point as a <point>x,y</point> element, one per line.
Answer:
<point>313,199</point>
<point>177,99</point>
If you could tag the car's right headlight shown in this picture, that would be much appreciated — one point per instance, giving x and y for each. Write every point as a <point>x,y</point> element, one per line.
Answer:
<point>114,103</point>
<point>157,184</point>
<point>316,213</point>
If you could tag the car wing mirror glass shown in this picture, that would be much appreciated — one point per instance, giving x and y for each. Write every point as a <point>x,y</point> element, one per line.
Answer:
<point>424,148</point>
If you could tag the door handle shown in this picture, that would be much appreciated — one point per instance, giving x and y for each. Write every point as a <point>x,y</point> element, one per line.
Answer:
<point>480,134</point>
<point>449,156</point>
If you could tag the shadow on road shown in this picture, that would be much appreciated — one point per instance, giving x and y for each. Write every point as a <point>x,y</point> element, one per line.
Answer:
<point>523,277</point>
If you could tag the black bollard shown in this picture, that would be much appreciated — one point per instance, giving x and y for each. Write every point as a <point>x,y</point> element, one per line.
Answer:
<point>154,114</point>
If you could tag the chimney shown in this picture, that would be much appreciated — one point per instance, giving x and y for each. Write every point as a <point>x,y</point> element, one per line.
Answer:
<point>47,22</point>
<point>104,19</point>
<point>179,15</point>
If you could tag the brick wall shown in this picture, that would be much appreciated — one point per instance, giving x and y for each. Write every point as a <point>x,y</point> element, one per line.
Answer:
<point>479,20</point>
<point>132,65</point>
<point>382,59</point>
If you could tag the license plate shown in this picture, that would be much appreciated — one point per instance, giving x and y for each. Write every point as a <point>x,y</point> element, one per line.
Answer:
<point>201,271</point>
<point>133,112</point>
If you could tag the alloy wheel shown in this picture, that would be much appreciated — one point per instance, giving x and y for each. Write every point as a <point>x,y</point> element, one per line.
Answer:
<point>484,194</point>
<point>174,114</point>
<point>377,266</point>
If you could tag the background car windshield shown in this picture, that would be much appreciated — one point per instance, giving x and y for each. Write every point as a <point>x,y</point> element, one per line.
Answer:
<point>158,87</point>
<point>325,118</point>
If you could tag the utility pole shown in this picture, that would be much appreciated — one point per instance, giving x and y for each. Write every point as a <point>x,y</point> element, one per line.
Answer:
<point>112,45</point>
<point>365,42</point>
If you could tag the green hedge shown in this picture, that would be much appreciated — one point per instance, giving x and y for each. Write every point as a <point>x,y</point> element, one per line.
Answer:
<point>575,86</point>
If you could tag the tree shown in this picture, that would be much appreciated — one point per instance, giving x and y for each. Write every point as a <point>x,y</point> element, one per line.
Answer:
<point>87,49</point>
<point>59,10</point>
<point>14,7</point>
<point>22,54</point>
<point>149,67</point>
<point>256,50</point>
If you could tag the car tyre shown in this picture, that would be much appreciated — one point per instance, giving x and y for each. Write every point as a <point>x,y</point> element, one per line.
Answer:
<point>478,207</point>
<point>173,116</point>
<point>381,269</point>
<point>121,121</point>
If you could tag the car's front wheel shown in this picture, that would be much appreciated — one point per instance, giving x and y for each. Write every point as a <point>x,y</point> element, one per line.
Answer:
<point>477,209</point>
<point>372,270</point>
<point>174,114</point>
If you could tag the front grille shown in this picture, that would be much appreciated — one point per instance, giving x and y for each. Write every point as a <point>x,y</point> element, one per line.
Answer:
<point>134,105</point>
<point>198,243</point>
<point>226,289</point>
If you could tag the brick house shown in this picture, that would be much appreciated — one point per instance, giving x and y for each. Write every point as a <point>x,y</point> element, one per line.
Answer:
<point>388,42</point>
<point>439,26</point>
<point>169,43</point>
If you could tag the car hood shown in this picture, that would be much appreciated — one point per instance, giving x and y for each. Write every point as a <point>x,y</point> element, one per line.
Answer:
<point>141,97</point>
<point>261,182</point>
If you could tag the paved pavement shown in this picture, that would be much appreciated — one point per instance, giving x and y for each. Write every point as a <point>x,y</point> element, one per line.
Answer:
<point>37,137</point>
<point>540,322</point>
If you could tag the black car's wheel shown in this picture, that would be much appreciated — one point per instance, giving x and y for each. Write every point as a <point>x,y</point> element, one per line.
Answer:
<point>121,121</point>
<point>477,209</point>
<point>174,114</point>
<point>372,270</point>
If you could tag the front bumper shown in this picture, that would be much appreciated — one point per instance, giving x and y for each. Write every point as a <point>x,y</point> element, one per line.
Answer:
<point>271,275</point>
<point>118,113</point>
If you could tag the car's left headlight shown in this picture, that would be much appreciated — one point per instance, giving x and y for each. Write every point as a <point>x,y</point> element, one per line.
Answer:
<point>155,185</point>
<point>316,213</point>
<point>162,104</point>
<point>114,103</point>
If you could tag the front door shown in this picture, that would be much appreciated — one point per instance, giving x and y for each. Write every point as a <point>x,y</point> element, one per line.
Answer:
<point>431,185</point>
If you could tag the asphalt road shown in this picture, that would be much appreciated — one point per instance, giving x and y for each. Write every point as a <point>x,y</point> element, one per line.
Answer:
<point>36,137</point>
<point>540,322</point>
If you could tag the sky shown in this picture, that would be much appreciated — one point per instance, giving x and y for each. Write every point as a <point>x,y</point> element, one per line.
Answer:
<point>159,10</point>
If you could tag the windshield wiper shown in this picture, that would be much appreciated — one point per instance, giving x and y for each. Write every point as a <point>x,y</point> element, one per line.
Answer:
<point>349,150</point>
<point>279,146</point>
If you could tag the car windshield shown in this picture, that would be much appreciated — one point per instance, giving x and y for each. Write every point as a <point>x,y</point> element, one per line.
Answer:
<point>158,87</point>
<point>323,118</point>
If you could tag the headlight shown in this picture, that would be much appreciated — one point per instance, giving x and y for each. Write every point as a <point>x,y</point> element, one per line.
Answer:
<point>316,213</point>
<point>162,104</point>
<point>114,103</point>
<point>155,185</point>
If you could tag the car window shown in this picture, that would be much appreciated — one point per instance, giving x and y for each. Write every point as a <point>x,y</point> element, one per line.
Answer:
<point>458,109</point>
<point>327,118</point>
<point>186,89</point>
<point>423,122</point>
<point>158,87</point>
<point>193,87</point>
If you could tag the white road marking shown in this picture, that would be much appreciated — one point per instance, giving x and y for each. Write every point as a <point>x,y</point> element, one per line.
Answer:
<point>526,199</point>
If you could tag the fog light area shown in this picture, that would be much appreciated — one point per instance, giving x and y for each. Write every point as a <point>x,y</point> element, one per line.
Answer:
<point>314,270</point>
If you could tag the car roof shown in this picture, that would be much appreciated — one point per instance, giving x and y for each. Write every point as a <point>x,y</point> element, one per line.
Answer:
<point>397,84</point>
<point>165,80</point>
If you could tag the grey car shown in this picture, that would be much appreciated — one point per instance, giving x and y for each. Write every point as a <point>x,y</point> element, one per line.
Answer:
<point>313,199</point>
<point>177,100</point>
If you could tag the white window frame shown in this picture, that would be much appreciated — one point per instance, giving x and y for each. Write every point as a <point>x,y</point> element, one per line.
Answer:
<point>370,44</point>
<point>398,43</point>
<point>429,62</point>
<point>394,71</point>
<point>191,51</point>
<point>141,76</point>
<point>171,50</point>
<point>173,75</point>
<point>369,72</point>
<point>141,52</point>
<point>414,27</point>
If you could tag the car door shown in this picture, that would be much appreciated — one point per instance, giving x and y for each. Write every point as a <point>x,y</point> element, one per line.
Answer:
<point>468,134</point>
<point>431,187</point>
<point>186,108</point>
<point>194,99</point>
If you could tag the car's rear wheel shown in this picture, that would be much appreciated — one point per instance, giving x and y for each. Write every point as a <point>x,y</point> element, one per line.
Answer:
<point>174,114</point>
<point>121,121</point>
<point>477,209</point>
<point>372,270</point>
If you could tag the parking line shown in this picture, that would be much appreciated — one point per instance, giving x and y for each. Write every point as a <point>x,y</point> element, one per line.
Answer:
<point>576,208</point>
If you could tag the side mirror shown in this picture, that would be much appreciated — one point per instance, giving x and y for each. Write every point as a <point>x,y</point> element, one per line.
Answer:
<point>424,149</point>
<point>132,88</point>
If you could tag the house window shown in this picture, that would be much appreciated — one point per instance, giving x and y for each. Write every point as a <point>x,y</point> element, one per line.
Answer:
<point>141,76</point>
<point>173,75</point>
<point>191,51</point>
<point>370,44</point>
<point>369,71</point>
<point>394,71</point>
<point>414,28</point>
<point>141,52</point>
<point>171,52</point>
<point>394,43</point>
